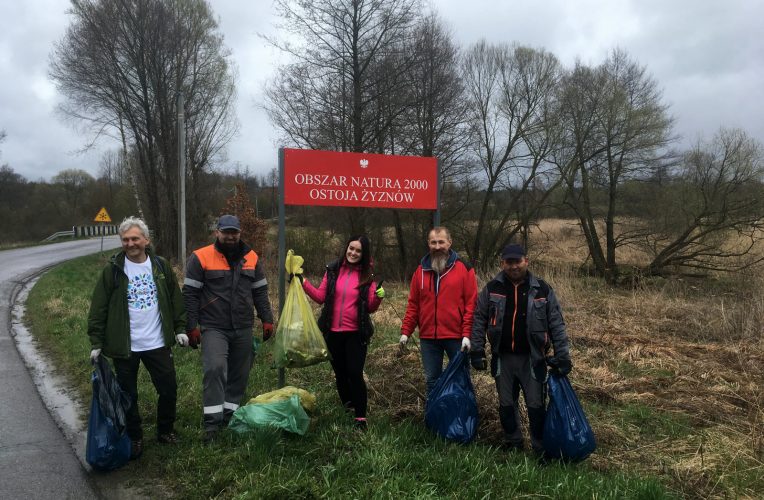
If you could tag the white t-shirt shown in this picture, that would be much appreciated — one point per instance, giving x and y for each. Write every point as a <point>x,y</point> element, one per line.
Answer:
<point>143,305</point>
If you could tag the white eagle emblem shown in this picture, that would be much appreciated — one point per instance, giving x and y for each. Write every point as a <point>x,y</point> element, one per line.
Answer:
<point>364,163</point>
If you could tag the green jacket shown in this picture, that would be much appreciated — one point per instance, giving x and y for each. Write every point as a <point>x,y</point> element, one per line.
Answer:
<point>109,319</point>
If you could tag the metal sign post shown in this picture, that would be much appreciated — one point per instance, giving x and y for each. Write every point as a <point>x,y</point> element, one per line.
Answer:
<point>436,215</point>
<point>282,250</point>
<point>341,179</point>
<point>102,216</point>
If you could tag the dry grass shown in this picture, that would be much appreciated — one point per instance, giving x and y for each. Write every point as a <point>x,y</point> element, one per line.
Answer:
<point>560,241</point>
<point>670,372</point>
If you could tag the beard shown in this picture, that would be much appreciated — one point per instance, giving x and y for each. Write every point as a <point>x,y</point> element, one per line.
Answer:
<point>229,248</point>
<point>439,261</point>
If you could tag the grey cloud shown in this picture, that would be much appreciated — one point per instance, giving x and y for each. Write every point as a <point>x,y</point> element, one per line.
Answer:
<point>705,54</point>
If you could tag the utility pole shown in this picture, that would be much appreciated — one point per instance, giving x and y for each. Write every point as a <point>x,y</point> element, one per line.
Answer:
<point>181,182</point>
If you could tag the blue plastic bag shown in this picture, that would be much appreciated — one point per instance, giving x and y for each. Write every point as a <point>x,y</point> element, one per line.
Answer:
<point>567,433</point>
<point>451,410</point>
<point>108,445</point>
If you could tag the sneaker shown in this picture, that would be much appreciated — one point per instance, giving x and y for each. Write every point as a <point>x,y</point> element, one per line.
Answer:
<point>136,448</point>
<point>168,438</point>
<point>360,424</point>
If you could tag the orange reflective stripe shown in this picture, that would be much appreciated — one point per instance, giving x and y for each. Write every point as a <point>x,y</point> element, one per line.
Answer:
<point>211,259</point>
<point>250,260</point>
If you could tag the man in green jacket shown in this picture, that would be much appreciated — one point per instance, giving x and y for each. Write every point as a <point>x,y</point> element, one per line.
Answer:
<point>136,315</point>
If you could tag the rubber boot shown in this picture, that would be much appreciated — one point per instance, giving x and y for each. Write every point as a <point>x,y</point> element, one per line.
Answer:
<point>536,423</point>
<point>513,437</point>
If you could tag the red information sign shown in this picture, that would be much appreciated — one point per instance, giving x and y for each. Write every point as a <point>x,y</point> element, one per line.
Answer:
<point>313,177</point>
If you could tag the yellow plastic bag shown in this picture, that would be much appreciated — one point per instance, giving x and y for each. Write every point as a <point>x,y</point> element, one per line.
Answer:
<point>299,342</point>
<point>307,400</point>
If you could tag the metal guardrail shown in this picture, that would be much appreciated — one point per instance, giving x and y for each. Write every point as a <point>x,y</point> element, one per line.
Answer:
<point>60,234</point>
<point>92,230</point>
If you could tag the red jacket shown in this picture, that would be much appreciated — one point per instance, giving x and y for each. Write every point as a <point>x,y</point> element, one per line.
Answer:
<point>441,306</point>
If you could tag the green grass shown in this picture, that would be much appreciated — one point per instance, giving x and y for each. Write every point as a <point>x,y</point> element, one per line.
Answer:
<point>630,370</point>
<point>393,459</point>
<point>641,422</point>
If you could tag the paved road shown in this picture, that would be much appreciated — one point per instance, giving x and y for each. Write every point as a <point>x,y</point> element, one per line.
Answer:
<point>36,461</point>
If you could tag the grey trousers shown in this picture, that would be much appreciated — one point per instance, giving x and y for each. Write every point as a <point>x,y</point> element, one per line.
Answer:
<point>515,374</point>
<point>226,360</point>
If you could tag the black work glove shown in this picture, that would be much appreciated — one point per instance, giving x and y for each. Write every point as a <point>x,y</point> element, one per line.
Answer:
<point>478,361</point>
<point>292,276</point>
<point>559,366</point>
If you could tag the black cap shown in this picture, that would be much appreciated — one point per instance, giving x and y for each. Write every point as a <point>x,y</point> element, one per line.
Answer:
<point>513,252</point>
<point>229,222</point>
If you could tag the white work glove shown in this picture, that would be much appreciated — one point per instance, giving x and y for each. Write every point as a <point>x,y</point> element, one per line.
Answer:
<point>182,339</point>
<point>403,341</point>
<point>94,354</point>
<point>466,344</point>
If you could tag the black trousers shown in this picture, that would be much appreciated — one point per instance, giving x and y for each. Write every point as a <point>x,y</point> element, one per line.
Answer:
<point>162,371</point>
<point>348,350</point>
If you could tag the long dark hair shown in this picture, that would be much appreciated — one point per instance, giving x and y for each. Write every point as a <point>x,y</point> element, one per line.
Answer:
<point>366,266</point>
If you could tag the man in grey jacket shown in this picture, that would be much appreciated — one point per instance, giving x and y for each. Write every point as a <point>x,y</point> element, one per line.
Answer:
<point>520,315</point>
<point>225,282</point>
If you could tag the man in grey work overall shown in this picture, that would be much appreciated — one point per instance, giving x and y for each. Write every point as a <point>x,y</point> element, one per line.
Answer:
<point>522,318</point>
<point>224,282</point>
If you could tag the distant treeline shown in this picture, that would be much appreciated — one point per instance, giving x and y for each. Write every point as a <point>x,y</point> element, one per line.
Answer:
<point>33,210</point>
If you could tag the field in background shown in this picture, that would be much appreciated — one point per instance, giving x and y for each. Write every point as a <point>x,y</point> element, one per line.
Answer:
<point>670,374</point>
<point>673,370</point>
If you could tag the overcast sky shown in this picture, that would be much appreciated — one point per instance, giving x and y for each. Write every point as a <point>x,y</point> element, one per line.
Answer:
<point>705,54</point>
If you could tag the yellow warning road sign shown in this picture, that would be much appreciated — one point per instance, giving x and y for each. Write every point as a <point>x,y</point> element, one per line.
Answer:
<point>102,216</point>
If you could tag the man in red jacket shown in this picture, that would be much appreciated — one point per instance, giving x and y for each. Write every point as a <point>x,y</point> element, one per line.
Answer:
<point>441,303</point>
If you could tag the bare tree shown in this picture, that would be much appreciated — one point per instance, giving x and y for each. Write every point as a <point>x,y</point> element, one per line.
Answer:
<point>346,87</point>
<point>14,199</point>
<point>511,92</point>
<point>111,170</point>
<point>10,181</point>
<point>711,215</point>
<point>120,66</point>
<point>616,128</point>
<point>334,82</point>
<point>74,183</point>
<point>432,123</point>
<point>580,96</point>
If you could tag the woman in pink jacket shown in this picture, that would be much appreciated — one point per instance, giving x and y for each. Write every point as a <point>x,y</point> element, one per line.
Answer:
<point>349,295</point>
